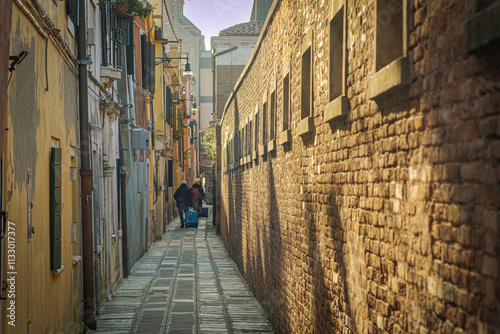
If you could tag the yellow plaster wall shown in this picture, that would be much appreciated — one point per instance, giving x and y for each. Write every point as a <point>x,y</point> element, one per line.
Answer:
<point>44,302</point>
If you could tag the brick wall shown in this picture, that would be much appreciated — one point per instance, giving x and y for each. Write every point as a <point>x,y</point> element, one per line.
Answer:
<point>382,214</point>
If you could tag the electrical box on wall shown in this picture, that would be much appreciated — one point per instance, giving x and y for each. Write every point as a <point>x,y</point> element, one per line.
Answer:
<point>140,139</point>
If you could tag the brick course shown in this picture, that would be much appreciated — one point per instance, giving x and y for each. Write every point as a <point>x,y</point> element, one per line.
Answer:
<point>385,220</point>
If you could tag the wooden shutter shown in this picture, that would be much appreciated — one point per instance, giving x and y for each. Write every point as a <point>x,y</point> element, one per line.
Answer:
<point>55,208</point>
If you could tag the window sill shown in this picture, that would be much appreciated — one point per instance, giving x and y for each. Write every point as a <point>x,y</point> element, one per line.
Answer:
<point>285,137</point>
<point>271,146</point>
<point>483,28</point>
<point>336,108</point>
<point>305,126</point>
<point>389,79</point>
<point>110,74</point>
<point>58,271</point>
<point>262,150</point>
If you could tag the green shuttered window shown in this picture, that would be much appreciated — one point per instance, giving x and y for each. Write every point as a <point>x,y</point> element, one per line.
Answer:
<point>55,208</point>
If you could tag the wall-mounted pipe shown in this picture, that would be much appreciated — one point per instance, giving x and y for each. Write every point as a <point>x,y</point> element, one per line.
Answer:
<point>86,179</point>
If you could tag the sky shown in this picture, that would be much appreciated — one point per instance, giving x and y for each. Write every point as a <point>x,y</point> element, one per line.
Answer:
<point>212,16</point>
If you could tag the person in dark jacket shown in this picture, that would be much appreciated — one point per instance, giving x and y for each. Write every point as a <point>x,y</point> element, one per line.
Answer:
<point>184,200</point>
<point>198,195</point>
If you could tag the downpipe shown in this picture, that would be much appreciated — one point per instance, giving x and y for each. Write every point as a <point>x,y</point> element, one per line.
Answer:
<point>86,178</point>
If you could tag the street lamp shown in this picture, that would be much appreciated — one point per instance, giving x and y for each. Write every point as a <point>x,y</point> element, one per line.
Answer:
<point>187,70</point>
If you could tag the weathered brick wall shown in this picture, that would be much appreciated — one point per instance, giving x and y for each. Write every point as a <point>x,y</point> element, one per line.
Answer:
<point>385,220</point>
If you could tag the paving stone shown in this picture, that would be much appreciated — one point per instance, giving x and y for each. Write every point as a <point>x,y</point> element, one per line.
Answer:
<point>186,283</point>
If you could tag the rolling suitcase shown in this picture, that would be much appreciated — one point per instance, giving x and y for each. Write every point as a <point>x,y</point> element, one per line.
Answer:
<point>191,219</point>
<point>204,212</point>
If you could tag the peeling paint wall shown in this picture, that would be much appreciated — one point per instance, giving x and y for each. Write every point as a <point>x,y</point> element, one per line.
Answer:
<point>42,113</point>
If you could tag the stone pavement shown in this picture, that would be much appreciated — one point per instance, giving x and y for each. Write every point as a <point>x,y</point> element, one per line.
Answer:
<point>185,283</point>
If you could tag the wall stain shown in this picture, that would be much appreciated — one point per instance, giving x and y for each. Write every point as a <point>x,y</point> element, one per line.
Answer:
<point>23,108</point>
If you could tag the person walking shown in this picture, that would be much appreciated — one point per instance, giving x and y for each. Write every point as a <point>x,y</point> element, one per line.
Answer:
<point>184,200</point>
<point>198,195</point>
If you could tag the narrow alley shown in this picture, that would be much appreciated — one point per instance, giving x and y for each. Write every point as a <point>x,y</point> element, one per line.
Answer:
<point>186,283</point>
<point>348,152</point>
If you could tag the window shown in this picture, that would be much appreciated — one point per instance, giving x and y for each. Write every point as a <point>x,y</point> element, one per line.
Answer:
<point>337,105</point>
<point>248,140</point>
<point>264,123</point>
<point>306,90</point>
<point>170,173</point>
<point>286,135</point>
<point>148,64</point>
<point>242,142</point>
<point>305,126</point>
<point>391,62</point>
<point>250,137</point>
<point>286,102</point>
<point>337,55</point>
<point>111,37</point>
<point>129,51</point>
<point>73,11</point>
<point>256,126</point>
<point>169,119</point>
<point>272,125</point>
<point>237,146</point>
<point>389,37</point>
<point>55,207</point>
<point>482,29</point>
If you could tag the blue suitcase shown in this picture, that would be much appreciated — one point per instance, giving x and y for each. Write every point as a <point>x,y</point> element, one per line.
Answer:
<point>191,219</point>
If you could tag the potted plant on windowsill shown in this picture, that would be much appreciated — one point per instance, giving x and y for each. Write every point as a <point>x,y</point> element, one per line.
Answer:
<point>122,7</point>
<point>135,7</point>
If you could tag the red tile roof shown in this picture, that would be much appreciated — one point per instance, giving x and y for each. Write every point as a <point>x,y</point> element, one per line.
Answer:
<point>243,29</point>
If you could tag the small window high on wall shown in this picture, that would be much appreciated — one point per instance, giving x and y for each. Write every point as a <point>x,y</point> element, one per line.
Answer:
<point>306,89</point>
<point>286,102</point>
<point>389,32</point>
<point>392,68</point>
<point>264,123</point>
<point>256,133</point>
<point>482,33</point>
<point>286,135</point>
<point>305,126</point>
<point>337,55</point>
<point>272,125</point>
<point>271,146</point>
<point>337,105</point>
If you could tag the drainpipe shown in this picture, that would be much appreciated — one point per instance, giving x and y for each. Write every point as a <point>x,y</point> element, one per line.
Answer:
<point>86,178</point>
<point>123,198</point>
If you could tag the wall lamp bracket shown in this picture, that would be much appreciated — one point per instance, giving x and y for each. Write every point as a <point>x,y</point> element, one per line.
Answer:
<point>16,60</point>
<point>187,70</point>
<point>87,61</point>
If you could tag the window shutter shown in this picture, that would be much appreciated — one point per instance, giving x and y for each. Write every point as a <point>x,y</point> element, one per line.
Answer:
<point>170,168</point>
<point>168,106</point>
<point>55,208</point>
<point>151,67</point>
<point>144,61</point>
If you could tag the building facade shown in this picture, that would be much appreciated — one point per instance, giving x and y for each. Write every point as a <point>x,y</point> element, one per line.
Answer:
<point>90,158</point>
<point>359,180</point>
<point>42,247</point>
